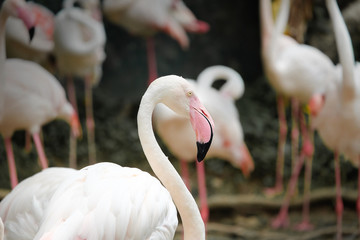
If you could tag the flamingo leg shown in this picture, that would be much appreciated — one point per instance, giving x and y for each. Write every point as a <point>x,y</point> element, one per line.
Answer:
<point>151,59</point>
<point>282,218</point>
<point>27,142</point>
<point>339,202</point>
<point>185,173</point>
<point>72,141</point>
<point>295,114</point>
<point>90,124</point>
<point>358,199</point>
<point>40,151</point>
<point>204,209</point>
<point>278,188</point>
<point>308,148</point>
<point>11,161</point>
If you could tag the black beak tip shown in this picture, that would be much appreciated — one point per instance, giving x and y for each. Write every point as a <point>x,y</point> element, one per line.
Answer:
<point>202,148</point>
<point>31,33</point>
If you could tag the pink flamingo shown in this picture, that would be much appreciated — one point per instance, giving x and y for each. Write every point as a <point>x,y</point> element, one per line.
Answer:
<point>79,50</point>
<point>107,201</point>
<point>228,142</point>
<point>28,104</point>
<point>335,112</point>
<point>297,71</point>
<point>146,17</point>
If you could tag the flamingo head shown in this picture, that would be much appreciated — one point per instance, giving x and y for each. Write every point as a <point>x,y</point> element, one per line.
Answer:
<point>316,103</point>
<point>179,96</point>
<point>19,9</point>
<point>241,157</point>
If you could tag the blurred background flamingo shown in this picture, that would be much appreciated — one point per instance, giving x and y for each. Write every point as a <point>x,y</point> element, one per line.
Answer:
<point>79,50</point>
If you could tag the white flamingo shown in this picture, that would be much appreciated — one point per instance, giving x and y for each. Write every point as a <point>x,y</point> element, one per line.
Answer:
<point>228,142</point>
<point>79,50</point>
<point>108,201</point>
<point>297,71</point>
<point>25,104</point>
<point>145,18</point>
<point>39,49</point>
<point>335,112</point>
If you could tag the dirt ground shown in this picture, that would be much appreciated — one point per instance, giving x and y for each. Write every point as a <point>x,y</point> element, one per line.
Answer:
<point>238,207</point>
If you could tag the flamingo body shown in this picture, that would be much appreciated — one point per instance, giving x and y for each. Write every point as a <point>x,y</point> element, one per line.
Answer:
<point>23,209</point>
<point>79,43</point>
<point>29,106</point>
<point>147,17</point>
<point>107,201</point>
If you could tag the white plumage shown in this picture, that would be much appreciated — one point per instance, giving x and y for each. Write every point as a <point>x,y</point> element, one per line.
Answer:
<point>107,201</point>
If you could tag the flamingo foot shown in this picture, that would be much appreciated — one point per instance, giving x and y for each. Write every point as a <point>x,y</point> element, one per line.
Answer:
<point>304,226</point>
<point>281,221</point>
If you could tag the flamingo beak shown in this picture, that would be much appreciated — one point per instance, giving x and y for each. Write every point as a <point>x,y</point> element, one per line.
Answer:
<point>75,126</point>
<point>316,103</point>
<point>247,163</point>
<point>202,124</point>
<point>31,33</point>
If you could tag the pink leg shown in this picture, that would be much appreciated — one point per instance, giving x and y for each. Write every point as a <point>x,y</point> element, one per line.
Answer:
<point>151,58</point>
<point>308,149</point>
<point>358,200</point>
<point>185,173</point>
<point>27,142</point>
<point>90,124</point>
<point>40,151</point>
<point>72,141</point>
<point>11,161</point>
<point>339,202</point>
<point>282,218</point>
<point>204,209</point>
<point>278,188</point>
<point>295,114</point>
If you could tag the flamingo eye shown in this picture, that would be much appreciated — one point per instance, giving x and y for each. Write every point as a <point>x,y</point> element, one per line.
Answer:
<point>190,93</point>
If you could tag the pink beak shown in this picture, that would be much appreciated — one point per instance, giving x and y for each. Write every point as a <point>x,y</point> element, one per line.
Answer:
<point>202,124</point>
<point>247,163</point>
<point>75,126</point>
<point>316,103</point>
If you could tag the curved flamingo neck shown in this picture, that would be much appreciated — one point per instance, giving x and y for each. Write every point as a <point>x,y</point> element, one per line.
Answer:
<point>345,50</point>
<point>185,203</point>
<point>280,25</point>
<point>266,20</point>
<point>233,86</point>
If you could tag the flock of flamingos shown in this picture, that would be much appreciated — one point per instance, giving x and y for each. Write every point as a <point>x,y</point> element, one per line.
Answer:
<point>195,120</point>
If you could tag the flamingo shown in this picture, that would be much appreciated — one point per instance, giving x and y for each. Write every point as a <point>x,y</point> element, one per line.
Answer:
<point>39,49</point>
<point>28,104</point>
<point>79,50</point>
<point>42,44</point>
<point>297,71</point>
<point>107,201</point>
<point>145,18</point>
<point>228,143</point>
<point>335,112</point>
